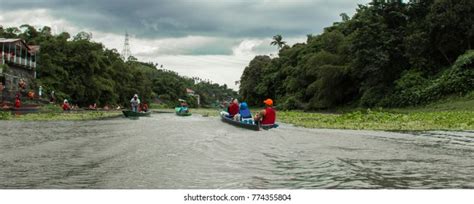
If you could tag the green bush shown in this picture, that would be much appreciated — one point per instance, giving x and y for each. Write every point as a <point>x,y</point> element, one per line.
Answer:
<point>413,89</point>
<point>290,103</point>
<point>372,97</point>
<point>408,90</point>
<point>5,115</point>
<point>51,108</point>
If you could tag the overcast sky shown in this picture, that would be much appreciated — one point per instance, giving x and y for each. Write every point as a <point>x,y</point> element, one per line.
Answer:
<point>212,39</point>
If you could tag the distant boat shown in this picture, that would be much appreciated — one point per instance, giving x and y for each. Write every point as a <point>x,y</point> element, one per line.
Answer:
<point>181,113</point>
<point>129,113</point>
<point>25,109</point>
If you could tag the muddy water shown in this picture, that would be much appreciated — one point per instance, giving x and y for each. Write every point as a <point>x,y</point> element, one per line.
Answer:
<point>166,151</point>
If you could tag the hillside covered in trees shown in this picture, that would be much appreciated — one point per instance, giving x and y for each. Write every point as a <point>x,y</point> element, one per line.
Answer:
<point>387,55</point>
<point>85,72</point>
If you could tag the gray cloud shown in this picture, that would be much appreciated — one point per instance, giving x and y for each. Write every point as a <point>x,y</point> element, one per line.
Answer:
<point>212,39</point>
<point>178,18</point>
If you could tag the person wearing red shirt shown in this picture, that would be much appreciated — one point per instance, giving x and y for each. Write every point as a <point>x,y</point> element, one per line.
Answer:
<point>17,102</point>
<point>233,108</point>
<point>268,115</point>
<point>66,105</point>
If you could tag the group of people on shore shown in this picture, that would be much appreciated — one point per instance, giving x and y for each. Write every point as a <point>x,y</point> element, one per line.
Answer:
<point>16,104</point>
<point>135,103</point>
<point>66,106</point>
<point>241,112</point>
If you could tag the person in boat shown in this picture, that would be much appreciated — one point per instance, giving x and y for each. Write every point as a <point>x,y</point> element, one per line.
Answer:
<point>17,101</point>
<point>144,107</point>
<point>183,106</point>
<point>233,108</point>
<point>135,103</point>
<point>244,114</point>
<point>66,106</point>
<point>268,115</point>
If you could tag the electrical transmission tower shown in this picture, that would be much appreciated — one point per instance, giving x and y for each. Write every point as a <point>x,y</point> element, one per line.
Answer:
<point>126,48</point>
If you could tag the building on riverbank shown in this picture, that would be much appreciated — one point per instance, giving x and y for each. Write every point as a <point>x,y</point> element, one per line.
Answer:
<point>17,66</point>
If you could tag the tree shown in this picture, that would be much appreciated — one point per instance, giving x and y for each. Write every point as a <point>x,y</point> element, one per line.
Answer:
<point>389,53</point>
<point>278,41</point>
<point>344,17</point>
<point>251,78</point>
<point>83,36</point>
<point>85,72</point>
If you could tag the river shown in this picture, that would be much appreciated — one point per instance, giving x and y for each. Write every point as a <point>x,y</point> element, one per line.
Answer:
<point>168,152</point>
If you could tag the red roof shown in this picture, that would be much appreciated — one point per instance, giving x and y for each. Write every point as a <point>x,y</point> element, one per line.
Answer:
<point>34,48</point>
<point>189,90</point>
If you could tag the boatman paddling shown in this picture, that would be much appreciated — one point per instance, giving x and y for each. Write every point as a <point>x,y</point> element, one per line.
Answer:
<point>267,116</point>
<point>135,102</point>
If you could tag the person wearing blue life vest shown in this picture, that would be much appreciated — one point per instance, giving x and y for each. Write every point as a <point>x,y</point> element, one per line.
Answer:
<point>245,114</point>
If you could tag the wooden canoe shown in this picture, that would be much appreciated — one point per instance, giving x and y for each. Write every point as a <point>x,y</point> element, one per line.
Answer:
<point>129,113</point>
<point>25,109</point>
<point>240,124</point>
<point>255,127</point>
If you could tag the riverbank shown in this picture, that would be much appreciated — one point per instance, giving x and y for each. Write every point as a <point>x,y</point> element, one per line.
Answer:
<point>61,116</point>
<point>456,114</point>
<point>382,120</point>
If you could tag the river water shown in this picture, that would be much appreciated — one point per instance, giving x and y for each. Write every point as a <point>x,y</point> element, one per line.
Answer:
<point>167,152</point>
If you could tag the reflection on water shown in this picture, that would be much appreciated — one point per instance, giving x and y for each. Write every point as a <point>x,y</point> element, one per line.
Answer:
<point>166,151</point>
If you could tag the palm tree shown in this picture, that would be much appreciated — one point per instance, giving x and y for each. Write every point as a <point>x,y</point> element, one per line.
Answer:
<point>278,40</point>
<point>344,17</point>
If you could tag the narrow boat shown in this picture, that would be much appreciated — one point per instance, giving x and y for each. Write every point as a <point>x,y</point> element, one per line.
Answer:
<point>129,113</point>
<point>179,113</point>
<point>90,109</point>
<point>25,109</point>
<point>255,127</point>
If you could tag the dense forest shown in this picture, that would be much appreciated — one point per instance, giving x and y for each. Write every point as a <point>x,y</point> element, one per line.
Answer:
<point>85,72</point>
<point>389,54</point>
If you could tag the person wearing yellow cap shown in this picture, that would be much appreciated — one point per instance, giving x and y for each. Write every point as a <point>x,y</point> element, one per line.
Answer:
<point>268,115</point>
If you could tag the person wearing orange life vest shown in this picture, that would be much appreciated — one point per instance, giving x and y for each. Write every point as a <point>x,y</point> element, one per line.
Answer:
<point>268,115</point>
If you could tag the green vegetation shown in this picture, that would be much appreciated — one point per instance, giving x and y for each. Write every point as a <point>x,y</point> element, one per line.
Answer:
<point>63,116</point>
<point>85,72</point>
<point>5,115</point>
<point>389,54</point>
<point>51,108</point>
<point>453,103</point>
<point>383,120</point>
<point>453,113</point>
